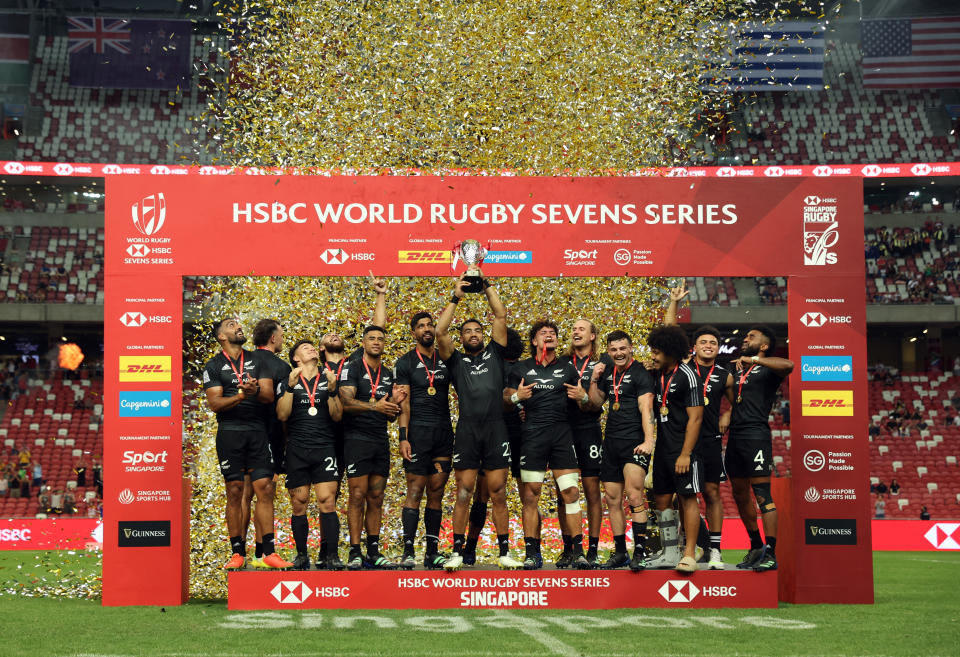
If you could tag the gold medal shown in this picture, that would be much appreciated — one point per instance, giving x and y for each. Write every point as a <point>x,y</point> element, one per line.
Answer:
<point>312,410</point>
<point>431,391</point>
<point>739,399</point>
<point>664,411</point>
<point>706,402</point>
<point>616,406</point>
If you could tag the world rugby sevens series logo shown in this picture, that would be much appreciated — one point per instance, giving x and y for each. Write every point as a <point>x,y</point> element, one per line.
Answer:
<point>149,214</point>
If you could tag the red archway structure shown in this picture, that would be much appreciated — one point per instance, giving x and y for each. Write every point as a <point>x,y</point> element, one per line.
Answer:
<point>807,229</point>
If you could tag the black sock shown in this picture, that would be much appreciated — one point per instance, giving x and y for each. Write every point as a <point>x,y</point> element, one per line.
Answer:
<point>258,549</point>
<point>238,546</point>
<point>532,546</point>
<point>300,527</point>
<point>355,550</point>
<point>593,543</point>
<point>620,543</point>
<point>576,544</point>
<point>703,535</point>
<point>373,544</point>
<point>470,546</point>
<point>324,546</point>
<point>268,544</point>
<point>330,526</point>
<point>432,518</point>
<point>755,542</point>
<point>639,536</point>
<point>458,541</point>
<point>478,517</point>
<point>715,540</point>
<point>409,519</point>
<point>567,542</point>
<point>503,542</point>
<point>771,545</point>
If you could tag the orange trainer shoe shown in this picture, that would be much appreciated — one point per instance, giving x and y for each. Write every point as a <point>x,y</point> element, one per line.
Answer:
<point>276,562</point>
<point>235,563</point>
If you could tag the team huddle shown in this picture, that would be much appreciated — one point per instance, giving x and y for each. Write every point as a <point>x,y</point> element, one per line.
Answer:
<point>323,414</point>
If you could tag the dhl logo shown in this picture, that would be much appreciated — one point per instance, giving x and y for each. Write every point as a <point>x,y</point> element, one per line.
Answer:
<point>424,257</point>
<point>832,403</point>
<point>145,368</point>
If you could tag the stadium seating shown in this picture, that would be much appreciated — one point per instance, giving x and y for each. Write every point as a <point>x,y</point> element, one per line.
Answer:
<point>57,264</point>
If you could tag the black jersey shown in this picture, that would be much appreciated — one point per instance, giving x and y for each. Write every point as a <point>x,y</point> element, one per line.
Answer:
<point>426,410</point>
<point>625,422</point>
<point>277,370</point>
<point>549,403</point>
<point>303,429</point>
<point>684,390</point>
<point>584,367</point>
<point>218,373</point>
<point>479,381</point>
<point>715,390</point>
<point>368,425</point>
<point>753,400</point>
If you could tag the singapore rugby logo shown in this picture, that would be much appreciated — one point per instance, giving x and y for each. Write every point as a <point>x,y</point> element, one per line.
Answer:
<point>149,214</point>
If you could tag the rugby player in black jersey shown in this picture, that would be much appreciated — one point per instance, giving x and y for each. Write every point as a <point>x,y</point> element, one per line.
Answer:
<point>426,439</point>
<point>627,444</point>
<point>481,439</point>
<point>236,388</point>
<point>511,418</point>
<point>540,383</point>
<point>309,405</point>
<point>587,439</point>
<point>268,340</point>
<point>333,354</point>
<point>370,402</point>
<point>678,407</point>
<point>717,383</point>
<point>749,456</point>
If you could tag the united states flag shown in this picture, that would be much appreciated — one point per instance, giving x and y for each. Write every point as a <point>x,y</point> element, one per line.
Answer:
<point>911,52</point>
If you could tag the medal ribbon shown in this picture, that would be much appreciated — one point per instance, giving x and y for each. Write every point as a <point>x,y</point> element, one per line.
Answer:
<point>743,377</point>
<point>665,389</point>
<point>373,386</point>
<point>339,367</point>
<point>581,370</point>
<point>616,386</point>
<point>431,375</point>
<point>312,394</point>
<point>238,373</point>
<point>709,374</point>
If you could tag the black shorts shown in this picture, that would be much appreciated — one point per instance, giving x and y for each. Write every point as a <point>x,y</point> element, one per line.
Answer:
<point>278,445</point>
<point>428,445</point>
<point>481,445</point>
<point>548,447</point>
<point>749,456</point>
<point>244,452</point>
<point>588,442</point>
<point>666,481</point>
<point>338,447</point>
<point>711,457</point>
<point>616,454</point>
<point>311,465</point>
<point>365,457</point>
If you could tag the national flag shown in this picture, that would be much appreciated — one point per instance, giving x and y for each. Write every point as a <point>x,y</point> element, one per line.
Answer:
<point>128,54</point>
<point>15,49</point>
<point>785,56</point>
<point>911,53</point>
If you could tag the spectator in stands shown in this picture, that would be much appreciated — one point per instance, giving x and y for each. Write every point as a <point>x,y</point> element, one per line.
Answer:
<point>4,482</point>
<point>924,514</point>
<point>24,482</point>
<point>81,471</point>
<point>37,474</point>
<point>880,507</point>
<point>894,486</point>
<point>882,488</point>
<point>24,457</point>
<point>93,508</point>
<point>785,412</point>
<point>56,502</point>
<point>69,502</point>
<point>98,477</point>
<point>874,429</point>
<point>956,366</point>
<point>43,500</point>
<point>15,485</point>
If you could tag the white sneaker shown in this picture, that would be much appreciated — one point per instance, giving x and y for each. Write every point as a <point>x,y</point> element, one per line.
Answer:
<point>454,562</point>
<point>506,562</point>
<point>716,561</point>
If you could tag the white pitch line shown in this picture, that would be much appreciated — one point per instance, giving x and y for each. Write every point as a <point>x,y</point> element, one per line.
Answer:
<point>533,629</point>
<point>952,563</point>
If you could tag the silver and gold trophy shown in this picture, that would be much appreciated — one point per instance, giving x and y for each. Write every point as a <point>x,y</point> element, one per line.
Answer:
<point>472,255</point>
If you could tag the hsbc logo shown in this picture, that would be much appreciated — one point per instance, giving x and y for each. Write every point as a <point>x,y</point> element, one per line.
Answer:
<point>149,214</point>
<point>811,200</point>
<point>20,534</point>
<point>823,170</point>
<point>813,320</point>
<point>726,172</point>
<point>255,171</point>
<point>14,168</point>
<point>291,592</point>
<point>136,319</point>
<point>944,536</point>
<point>63,169</point>
<point>773,172</point>
<point>679,172</point>
<point>871,170</point>
<point>160,170</point>
<point>211,171</point>
<point>920,169</point>
<point>111,169</point>
<point>334,256</point>
<point>679,590</point>
<point>138,250</point>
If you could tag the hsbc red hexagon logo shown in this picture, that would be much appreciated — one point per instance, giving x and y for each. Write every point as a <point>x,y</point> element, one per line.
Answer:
<point>63,169</point>
<point>870,170</point>
<point>14,168</point>
<point>920,169</point>
<point>137,250</point>
<point>291,592</point>
<point>133,319</point>
<point>111,169</point>
<point>160,170</point>
<point>726,172</point>
<point>944,536</point>
<point>823,170</point>
<point>678,590</point>
<point>773,172</point>
<point>677,172</point>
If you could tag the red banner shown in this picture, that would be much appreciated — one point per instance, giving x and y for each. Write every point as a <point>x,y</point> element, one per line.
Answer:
<point>50,533</point>
<point>916,535</point>
<point>493,589</point>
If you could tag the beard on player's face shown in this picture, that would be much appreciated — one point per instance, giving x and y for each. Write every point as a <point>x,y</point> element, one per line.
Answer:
<point>426,339</point>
